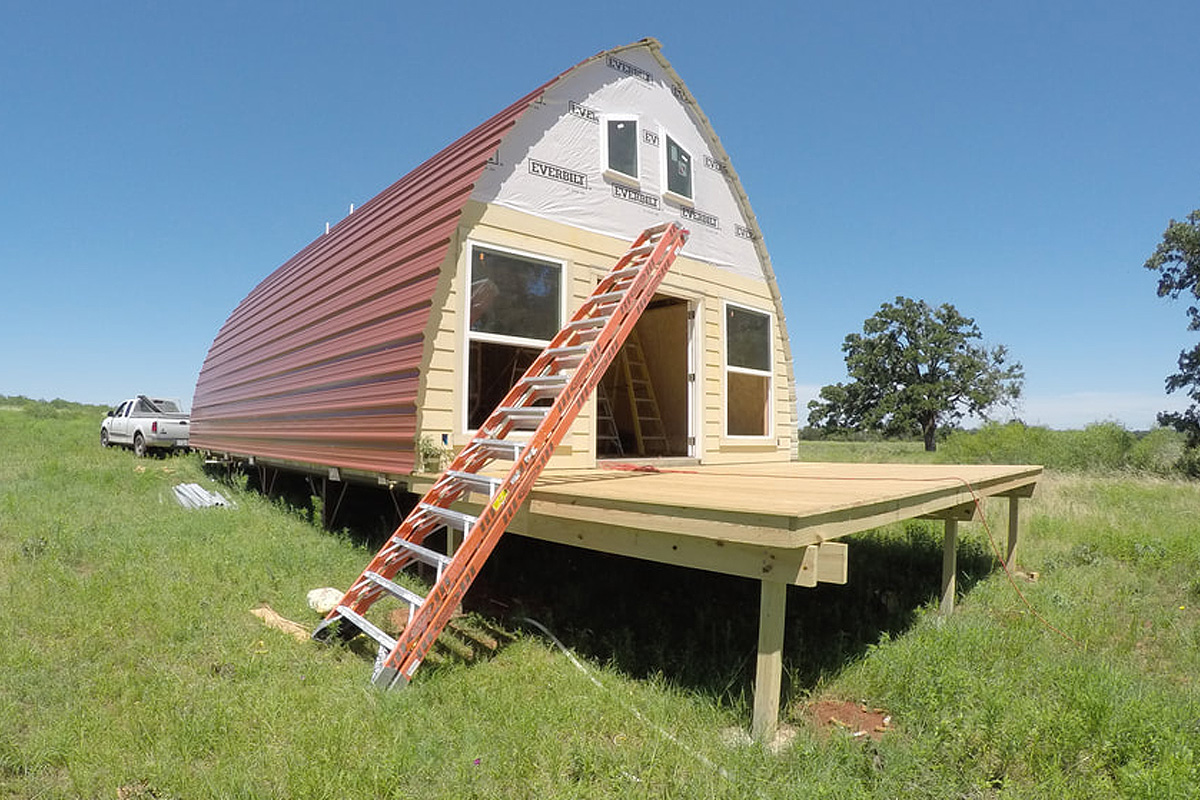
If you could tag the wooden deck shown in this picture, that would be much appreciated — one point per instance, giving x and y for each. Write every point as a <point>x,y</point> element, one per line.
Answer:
<point>781,524</point>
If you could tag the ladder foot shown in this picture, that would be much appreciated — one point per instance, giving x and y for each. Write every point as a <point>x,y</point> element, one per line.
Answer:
<point>338,629</point>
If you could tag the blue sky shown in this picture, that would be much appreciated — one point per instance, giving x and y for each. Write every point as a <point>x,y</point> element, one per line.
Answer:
<point>1019,160</point>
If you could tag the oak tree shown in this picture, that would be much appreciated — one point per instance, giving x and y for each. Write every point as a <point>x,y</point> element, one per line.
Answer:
<point>913,369</point>
<point>1177,262</point>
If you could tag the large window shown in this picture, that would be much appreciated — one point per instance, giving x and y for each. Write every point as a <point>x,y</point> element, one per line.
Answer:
<point>621,147</point>
<point>515,308</point>
<point>679,169</point>
<point>747,372</point>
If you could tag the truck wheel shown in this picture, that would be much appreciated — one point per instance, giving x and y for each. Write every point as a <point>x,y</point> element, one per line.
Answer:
<point>104,437</point>
<point>139,445</point>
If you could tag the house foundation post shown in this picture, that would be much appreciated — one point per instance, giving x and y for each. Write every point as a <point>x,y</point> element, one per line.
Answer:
<point>768,680</point>
<point>1014,521</point>
<point>949,566</point>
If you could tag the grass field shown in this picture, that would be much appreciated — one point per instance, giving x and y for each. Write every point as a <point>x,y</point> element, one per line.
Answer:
<point>131,667</point>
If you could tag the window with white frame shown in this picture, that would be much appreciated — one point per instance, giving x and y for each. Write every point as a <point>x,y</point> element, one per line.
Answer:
<point>678,169</point>
<point>621,147</point>
<point>515,308</point>
<point>747,372</point>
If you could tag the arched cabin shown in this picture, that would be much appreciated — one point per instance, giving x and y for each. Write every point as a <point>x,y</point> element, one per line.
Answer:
<point>411,317</point>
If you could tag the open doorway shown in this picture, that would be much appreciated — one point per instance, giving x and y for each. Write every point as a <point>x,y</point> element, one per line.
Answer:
<point>643,405</point>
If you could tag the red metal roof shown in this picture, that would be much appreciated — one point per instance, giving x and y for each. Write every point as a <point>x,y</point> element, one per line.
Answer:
<point>320,363</point>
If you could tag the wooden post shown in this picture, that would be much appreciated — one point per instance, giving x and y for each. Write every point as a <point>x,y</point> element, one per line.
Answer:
<point>768,680</point>
<point>1014,516</point>
<point>453,541</point>
<point>949,566</point>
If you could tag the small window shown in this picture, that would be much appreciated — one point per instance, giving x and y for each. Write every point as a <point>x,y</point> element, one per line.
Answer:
<point>622,146</point>
<point>747,372</point>
<point>679,170</point>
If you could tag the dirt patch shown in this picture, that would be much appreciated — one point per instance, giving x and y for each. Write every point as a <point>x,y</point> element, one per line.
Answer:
<point>858,720</point>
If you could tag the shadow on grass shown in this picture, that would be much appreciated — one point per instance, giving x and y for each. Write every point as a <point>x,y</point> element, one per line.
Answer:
<point>367,515</point>
<point>696,629</point>
<point>699,630</point>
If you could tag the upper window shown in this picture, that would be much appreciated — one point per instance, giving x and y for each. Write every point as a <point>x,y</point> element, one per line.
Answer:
<point>514,296</point>
<point>621,146</point>
<point>679,169</point>
<point>749,339</point>
<point>747,372</point>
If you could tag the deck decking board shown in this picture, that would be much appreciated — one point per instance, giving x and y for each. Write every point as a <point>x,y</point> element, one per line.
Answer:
<point>786,505</point>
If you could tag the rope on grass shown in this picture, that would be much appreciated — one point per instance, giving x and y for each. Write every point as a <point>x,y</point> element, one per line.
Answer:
<point>1008,573</point>
<point>596,681</point>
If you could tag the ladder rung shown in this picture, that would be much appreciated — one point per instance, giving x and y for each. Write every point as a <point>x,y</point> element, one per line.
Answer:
<point>484,484</point>
<point>588,322</point>
<point>395,590</point>
<point>369,628</point>
<point>604,297</point>
<point>524,418</point>
<point>422,554</point>
<point>544,386</point>
<point>499,448</point>
<point>568,350</point>
<point>625,272</point>
<point>448,517</point>
<point>545,380</point>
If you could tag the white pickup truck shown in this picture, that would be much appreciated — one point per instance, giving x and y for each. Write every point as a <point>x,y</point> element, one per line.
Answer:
<point>146,422</point>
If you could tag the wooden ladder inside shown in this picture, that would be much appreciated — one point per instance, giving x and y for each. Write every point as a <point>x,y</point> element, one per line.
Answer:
<point>543,403</point>
<point>608,435</point>
<point>648,430</point>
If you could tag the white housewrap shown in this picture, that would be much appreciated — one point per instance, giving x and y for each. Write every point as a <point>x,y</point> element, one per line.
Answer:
<point>552,164</point>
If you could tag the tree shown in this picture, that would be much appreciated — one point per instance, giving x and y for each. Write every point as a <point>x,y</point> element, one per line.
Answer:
<point>915,368</point>
<point>1177,262</point>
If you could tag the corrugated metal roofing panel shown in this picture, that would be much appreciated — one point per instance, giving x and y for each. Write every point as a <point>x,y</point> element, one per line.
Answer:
<point>320,363</point>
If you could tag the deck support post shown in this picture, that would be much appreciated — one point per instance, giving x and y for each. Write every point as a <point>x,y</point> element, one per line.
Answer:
<point>949,566</point>
<point>768,679</point>
<point>1014,518</point>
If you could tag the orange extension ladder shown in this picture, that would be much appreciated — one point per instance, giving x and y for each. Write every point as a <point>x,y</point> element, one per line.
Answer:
<point>545,400</point>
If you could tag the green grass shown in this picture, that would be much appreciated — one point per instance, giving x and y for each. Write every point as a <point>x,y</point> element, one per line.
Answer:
<point>880,451</point>
<point>129,661</point>
<point>1099,447</point>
